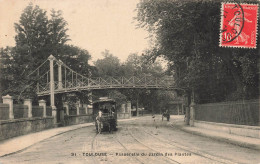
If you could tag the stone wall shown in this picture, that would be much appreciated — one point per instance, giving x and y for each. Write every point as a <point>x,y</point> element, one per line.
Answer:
<point>77,119</point>
<point>20,119</point>
<point>17,127</point>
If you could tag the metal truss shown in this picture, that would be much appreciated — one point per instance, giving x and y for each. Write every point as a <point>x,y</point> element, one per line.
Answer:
<point>59,78</point>
<point>110,83</point>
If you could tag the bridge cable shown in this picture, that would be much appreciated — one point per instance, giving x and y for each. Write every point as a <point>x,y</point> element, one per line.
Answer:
<point>72,70</point>
<point>37,68</point>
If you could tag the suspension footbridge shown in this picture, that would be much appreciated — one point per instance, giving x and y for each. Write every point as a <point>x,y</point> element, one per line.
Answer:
<point>67,80</point>
<point>57,77</point>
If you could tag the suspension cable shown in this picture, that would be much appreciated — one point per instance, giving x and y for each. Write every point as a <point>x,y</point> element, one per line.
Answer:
<point>73,70</point>
<point>44,74</point>
<point>37,68</point>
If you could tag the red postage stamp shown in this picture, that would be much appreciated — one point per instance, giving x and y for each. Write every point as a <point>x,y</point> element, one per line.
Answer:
<point>238,26</point>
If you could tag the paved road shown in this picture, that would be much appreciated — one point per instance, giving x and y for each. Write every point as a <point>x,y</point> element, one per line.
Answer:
<point>145,140</point>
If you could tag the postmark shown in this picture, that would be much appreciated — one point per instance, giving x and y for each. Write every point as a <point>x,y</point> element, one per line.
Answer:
<point>238,26</point>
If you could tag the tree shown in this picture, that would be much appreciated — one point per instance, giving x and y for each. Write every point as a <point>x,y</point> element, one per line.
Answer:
<point>31,49</point>
<point>140,65</point>
<point>58,32</point>
<point>32,39</point>
<point>135,65</point>
<point>6,65</point>
<point>186,33</point>
<point>109,65</point>
<point>118,97</point>
<point>75,58</point>
<point>38,37</point>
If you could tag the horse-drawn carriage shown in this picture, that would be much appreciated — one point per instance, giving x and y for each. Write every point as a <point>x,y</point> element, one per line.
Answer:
<point>105,114</point>
<point>166,114</point>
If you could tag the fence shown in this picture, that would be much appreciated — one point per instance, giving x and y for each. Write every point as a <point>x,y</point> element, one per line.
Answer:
<point>20,119</point>
<point>82,110</point>
<point>4,111</point>
<point>241,113</point>
<point>72,111</point>
<point>9,110</point>
<point>20,111</point>
<point>37,111</point>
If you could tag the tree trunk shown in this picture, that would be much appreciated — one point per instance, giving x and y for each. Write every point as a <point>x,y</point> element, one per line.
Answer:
<point>187,108</point>
<point>227,58</point>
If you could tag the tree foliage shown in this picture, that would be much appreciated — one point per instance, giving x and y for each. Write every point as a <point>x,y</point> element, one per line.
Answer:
<point>186,33</point>
<point>31,39</point>
<point>75,58</point>
<point>37,37</point>
<point>138,66</point>
<point>58,32</point>
<point>109,65</point>
<point>6,65</point>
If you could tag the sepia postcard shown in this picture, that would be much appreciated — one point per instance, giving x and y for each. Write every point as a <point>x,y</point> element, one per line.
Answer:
<point>129,81</point>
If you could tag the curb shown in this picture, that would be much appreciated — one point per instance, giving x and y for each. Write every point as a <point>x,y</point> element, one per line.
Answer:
<point>59,133</point>
<point>223,139</point>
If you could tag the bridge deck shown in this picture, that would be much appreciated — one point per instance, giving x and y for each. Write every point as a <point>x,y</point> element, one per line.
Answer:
<point>108,83</point>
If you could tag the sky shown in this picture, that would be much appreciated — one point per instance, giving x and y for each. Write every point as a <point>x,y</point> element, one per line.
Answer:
<point>94,25</point>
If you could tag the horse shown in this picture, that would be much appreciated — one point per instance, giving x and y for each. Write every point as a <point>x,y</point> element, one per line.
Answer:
<point>166,114</point>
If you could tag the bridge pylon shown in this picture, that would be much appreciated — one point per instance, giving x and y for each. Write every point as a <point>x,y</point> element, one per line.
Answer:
<point>51,58</point>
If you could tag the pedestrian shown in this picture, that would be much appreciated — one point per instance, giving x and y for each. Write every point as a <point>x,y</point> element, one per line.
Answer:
<point>98,120</point>
<point>100,113</point>
<point>154,122</point>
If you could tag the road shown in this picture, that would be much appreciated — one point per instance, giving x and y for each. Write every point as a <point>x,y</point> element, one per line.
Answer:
<point>144,140</point>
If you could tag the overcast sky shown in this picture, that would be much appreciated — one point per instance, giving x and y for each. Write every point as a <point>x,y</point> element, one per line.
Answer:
<point>94,25</point>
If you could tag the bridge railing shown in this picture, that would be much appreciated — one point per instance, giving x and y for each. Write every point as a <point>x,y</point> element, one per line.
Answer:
<point>109,82</point>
